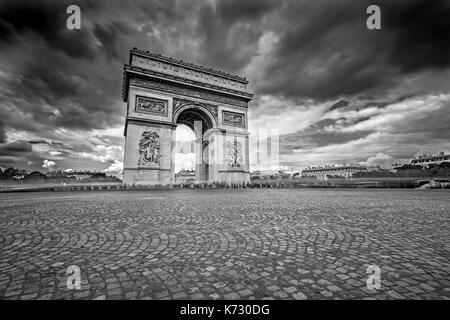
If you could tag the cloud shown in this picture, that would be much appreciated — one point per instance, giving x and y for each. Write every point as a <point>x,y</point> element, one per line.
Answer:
<point>49,165</point>
<point>104,153</point>
<point>116,168</point>
<point>331,87</point>
<point>44,20</point>
<point>380,159</point>
<point>325,51</point>
<point>54,152</point>
<point>15,148</point>
<point>356,132</point>
<point>2,132</point>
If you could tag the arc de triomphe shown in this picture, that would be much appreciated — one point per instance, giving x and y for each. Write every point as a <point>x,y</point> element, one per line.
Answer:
<point>162,92</point>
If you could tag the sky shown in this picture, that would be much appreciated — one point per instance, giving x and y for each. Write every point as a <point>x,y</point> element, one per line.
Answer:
<point>336,91</point>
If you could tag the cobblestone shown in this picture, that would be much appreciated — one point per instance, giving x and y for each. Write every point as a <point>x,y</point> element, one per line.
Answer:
<point>226,244</point>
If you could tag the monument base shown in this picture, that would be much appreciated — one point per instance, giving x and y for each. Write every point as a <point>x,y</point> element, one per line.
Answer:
<point>145,177</point>
<point>233,176</point>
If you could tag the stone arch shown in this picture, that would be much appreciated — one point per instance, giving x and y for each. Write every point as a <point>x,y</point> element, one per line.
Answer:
<point>189,112</point>
<point>161,93</point>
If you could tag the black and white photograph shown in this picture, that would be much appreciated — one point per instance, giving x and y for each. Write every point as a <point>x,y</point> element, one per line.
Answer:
<point>224,154</point>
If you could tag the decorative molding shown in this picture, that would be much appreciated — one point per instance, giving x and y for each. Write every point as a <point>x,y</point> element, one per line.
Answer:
<point>151,105</point>
<point>146,122</point>
<point>233,119</point>
<point>179,103</point>
<point>160,61</point>
<point>213,109</point>
<point>152,74</point>
<point>149,150</point>
<point>188,91</point>
<point>187,73</point>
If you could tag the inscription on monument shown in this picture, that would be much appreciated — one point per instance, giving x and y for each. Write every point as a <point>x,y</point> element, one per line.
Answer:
<point>149,148</point>
<point>233,119</point>
<point>151,105</point>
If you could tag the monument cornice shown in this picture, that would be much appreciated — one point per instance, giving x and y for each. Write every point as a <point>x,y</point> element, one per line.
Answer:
<point>181,63</point>
<point>129,70</point>
<point>140,80</point>
<point>145,122</point>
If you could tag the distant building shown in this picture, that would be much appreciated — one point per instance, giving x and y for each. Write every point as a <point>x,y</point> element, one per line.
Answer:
<point>423,162</point>
<point>185,176</point>
<point>345,171</point>
<point>426,160</point>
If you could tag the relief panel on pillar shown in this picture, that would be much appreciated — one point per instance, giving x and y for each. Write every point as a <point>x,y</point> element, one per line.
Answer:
<point>233,119</point>
<point>151,106</point>
<point>234,154</point>
<point>149,150</point>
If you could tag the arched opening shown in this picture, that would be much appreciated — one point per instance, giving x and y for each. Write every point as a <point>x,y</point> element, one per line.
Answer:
<point>195,118</point>
<point>184,154</point>
<point>193,160</point>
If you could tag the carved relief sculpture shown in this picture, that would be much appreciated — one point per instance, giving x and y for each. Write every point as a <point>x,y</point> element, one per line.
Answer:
<point>149,148</point>
<point>234,154</point>
<point>212,109</point>
<point>233,119</point>
<point>184,90</point>
<point>151,105</point>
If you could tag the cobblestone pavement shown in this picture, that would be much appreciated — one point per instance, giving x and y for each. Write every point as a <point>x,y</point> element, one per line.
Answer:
<point>226,244</point>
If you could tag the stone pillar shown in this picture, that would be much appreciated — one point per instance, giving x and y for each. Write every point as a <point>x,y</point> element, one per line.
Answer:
<point>144,165</point>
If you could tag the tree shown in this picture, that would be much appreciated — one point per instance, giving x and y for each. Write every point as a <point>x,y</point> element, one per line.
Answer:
<point>36,175</point>
<point>10,172</point>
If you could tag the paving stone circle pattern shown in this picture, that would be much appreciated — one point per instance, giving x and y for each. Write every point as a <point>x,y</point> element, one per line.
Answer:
<point>225,244</point>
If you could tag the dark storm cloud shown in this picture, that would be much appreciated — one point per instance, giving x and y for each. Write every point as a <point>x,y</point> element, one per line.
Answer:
<point>230,32</point>
<point>308,140</point>
<point>108,36</point>
<point>431,125</point>
<point>325,50</point>
<point>38,142</point>
<point>246,11</point>
<point>2,132</point>
<point>47,20</point>
<point>15,154</point>
<point>339,104</point>
<point>72,79</point>
<point>420,31</point>
<point>54,81</point>
<point>15,148</point>
<point>58,77</point>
